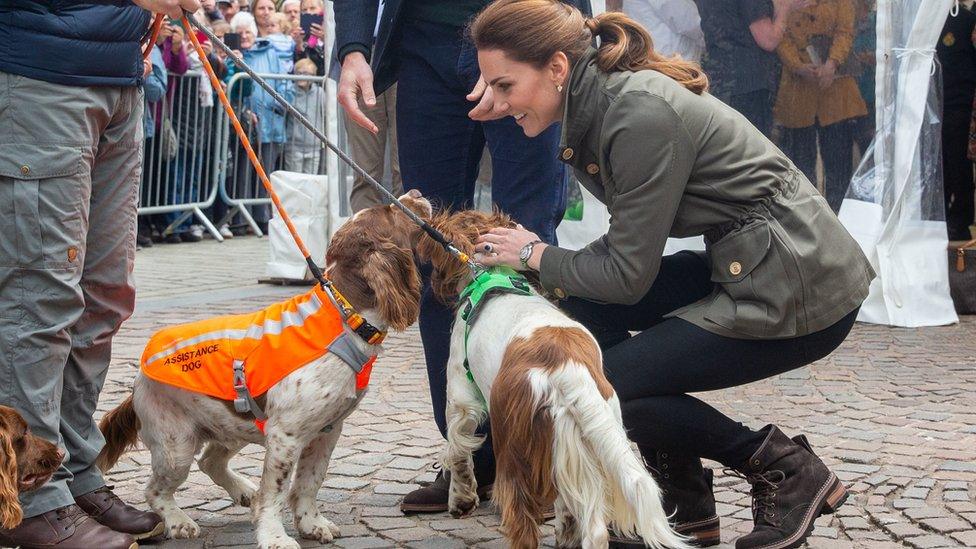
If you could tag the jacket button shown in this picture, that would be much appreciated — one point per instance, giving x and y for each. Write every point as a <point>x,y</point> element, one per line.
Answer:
<point>567,153</point>
<point>592,169</point>
<point>735,268</point>
<point>25,170</point>
<point>559,293</point>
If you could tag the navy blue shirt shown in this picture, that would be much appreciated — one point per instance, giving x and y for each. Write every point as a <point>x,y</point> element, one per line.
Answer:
<point>84,43</point>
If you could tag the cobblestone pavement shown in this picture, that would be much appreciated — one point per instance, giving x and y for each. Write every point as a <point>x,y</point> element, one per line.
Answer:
<point>893,412</point>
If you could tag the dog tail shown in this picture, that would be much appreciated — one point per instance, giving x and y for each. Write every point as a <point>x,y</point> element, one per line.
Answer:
<point>120,427</point>
<point>523,488</point>
<point>597,472</point>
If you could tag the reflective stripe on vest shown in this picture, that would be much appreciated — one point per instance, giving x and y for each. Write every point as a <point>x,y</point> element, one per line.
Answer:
<point>270,344</point>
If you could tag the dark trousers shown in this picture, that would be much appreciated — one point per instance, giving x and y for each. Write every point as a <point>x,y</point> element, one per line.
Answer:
<point>439,151</point>
<point>654,370</point>
<point>957,171</point>
<point>757,107</point>
<point>836,150</point>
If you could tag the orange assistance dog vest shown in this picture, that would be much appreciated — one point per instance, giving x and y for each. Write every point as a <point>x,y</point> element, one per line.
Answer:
<point>240,357</point>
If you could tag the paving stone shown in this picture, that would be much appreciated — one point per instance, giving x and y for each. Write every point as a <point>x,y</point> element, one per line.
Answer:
<point>437,543</point>
<point>967,538</point>
<point>387,523</point>
<point>930,541</point>
<point>967,467</point>
<point>944,525</point>
<point>363,543</point>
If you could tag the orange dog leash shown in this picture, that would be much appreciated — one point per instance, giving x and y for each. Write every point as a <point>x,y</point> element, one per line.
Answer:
<point>153,35</point>
<point>188,20</point>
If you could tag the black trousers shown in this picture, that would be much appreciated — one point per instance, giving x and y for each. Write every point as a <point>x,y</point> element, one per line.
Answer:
<point>957,171</point>
<point>757,107</point>
<point>836,149</point>
<point>654,370</point>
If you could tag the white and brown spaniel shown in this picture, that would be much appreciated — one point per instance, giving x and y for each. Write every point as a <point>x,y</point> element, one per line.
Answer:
<point>555,420</point>
<point>370,260</point>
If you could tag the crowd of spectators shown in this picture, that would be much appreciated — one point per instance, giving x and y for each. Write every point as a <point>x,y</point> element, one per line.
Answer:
<point>802,71</point>
<point>183,118</point>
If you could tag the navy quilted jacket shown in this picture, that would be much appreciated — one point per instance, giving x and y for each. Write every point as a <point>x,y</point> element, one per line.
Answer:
<point>76,43</point>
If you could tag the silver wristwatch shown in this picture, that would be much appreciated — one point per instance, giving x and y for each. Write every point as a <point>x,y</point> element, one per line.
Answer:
<point>526,252</point>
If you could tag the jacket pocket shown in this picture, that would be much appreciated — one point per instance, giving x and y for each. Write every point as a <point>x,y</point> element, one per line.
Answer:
<point>755,294</point>
<point>44,195</point>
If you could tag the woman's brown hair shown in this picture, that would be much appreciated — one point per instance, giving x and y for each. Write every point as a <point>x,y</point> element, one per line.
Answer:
<point>532,31</point>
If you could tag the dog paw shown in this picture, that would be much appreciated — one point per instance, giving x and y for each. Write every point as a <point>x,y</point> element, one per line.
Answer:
<point>317,527</point>
<point>279,542</point>
<point>182,528</point>
<point>243,493</point>
<point>462,506</point>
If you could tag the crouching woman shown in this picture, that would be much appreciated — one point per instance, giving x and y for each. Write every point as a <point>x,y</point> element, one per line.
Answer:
<point>779,286</point>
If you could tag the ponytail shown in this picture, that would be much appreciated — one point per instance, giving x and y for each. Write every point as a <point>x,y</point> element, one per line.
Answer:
<point>532,31</point>
<point>627,46</point>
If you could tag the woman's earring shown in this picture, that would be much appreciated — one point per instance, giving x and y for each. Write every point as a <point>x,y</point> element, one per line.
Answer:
<point>559,88</point>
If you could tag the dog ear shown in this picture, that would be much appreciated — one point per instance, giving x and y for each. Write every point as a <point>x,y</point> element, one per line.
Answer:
<point>392,275</point>
<point>10,511</point>
<point>447,271</point>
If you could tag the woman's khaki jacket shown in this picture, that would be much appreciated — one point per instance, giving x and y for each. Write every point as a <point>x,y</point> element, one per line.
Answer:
<point>801,103</point>
<point>668,162</point>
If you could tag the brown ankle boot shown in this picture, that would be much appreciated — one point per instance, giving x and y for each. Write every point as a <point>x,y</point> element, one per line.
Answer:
<point>65,528</point>
<point>106,507</point>
<point>687,497</point>
<point>791,487</point>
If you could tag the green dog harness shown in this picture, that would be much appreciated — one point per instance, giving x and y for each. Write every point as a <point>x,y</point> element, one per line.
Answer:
<point>493,281</point>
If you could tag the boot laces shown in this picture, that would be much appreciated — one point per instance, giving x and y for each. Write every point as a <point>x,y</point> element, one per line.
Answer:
<point>70,515</point>
<point>763,492</point>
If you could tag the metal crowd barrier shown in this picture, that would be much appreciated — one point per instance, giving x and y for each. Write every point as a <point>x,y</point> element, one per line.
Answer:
<point>195,162</point>
<point>240,188</point>
<point>181,167</point>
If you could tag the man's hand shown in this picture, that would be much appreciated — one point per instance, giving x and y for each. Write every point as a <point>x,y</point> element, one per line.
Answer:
<point>355,80</point>
<point>486,109</point>
<point>146,68</point>
<point>172,8</point>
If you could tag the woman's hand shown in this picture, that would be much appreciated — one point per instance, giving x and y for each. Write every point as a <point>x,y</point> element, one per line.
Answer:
<point>501,246</point>
<point>176,32</point>
<point>298,37</point>
<point>827,74</point>
<point>318,31</point>
<point>808,71</point>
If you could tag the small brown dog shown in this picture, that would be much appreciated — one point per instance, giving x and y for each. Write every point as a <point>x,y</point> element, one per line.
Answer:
<point>26,462</point>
